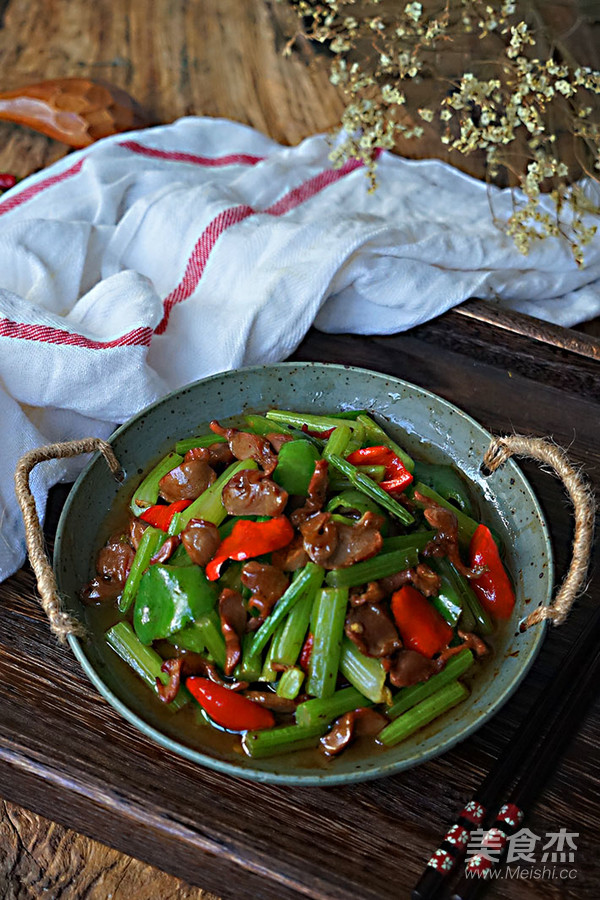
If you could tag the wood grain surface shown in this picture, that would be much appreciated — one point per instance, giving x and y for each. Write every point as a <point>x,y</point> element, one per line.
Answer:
<point>224,58</point>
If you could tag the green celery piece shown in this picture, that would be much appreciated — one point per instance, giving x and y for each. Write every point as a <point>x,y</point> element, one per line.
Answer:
<point>295,467</point>
<point>338,483</point>
<point>423,713</point>
<point>351,414</point>
<point>144,661</point>
<point>263,426</point>
<point>357,438</point>
<point>190,638</point>
<point>268,672</point>
<point>330,614</point>
<point>147,492</point>
<point>203,440</point>
<point>169,598</point>
<point>337,441</point>
<point>203,635</point>
<point>210,626</point>
<point>408,697</point>
<point>314,422</point>
<point>483,621</point>
<point>151,541</point>
<point>448,601</point>
<point>290,683</point>
<point>250,667</point>
<point>208,505</point>
<point>417,539</point>
<point>370,488</point>
<point>364,673</point>
<point>379,566</point>
<point>376,436</point>
<point>287,739</point>
<point>315,711</point>
<point>309,579</point>
<point>289,640</point>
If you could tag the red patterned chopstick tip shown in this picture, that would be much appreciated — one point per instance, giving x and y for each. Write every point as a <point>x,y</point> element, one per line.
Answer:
<point>473,812</point>
<point>511,815</point>
<point>229,159</point>
<point>442,861</point>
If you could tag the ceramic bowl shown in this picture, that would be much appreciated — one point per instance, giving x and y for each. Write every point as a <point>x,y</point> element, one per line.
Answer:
<point>429,428</point>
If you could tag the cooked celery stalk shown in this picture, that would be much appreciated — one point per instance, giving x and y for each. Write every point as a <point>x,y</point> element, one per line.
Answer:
<point>311,712</point>
<point>423,713</point>
<point>330,614</point>
<point>147,492</point>
<point>290,683</point>
<point>208,505</point>
<point>144,661</point>
<point>258,744</point>
<point>310,578</point>
<point>409,696</point>
<point>364,673</point>
<point>370,488</point>
<point>204,634</point>
<point>203,440</point>
<point>152,539</point>
<point>371,569</point>
<point>291,634</point>
<point>313,422</point>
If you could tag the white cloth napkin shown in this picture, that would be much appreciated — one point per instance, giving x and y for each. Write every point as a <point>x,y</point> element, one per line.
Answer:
<point>155,258</point>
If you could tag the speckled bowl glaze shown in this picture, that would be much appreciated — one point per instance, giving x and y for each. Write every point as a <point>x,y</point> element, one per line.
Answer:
<point>428,427</point>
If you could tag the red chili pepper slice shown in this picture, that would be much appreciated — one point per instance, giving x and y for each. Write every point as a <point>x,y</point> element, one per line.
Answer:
<point>306,652</point>
<point>249,539</point>
<point>323,435</point>
<point>160,515</point>
<point>228,708</point>
<point>493,588</point>
<point>397,477</point>
<point>421,626</point>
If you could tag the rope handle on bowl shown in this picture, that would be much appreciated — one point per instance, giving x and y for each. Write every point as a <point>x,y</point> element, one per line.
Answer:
<point>499,450</point>
<point>61,623</point>
<point>584,507</point>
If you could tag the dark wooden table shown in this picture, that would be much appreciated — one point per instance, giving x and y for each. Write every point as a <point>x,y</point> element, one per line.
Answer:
<point>94,773</point>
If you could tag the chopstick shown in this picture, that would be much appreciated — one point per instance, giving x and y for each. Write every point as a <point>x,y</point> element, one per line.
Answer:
<point>530,757</point>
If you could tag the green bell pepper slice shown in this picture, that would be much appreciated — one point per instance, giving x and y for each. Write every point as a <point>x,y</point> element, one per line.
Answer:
<point>296,466</point>
<point>169,598</point>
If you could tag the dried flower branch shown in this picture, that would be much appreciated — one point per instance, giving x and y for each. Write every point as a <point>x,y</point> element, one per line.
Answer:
<point>485,78</point>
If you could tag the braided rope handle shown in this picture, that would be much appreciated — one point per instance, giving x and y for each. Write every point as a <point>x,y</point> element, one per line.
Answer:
<point>584,508</point>
<point>61,623</point>
<point>498,452</point>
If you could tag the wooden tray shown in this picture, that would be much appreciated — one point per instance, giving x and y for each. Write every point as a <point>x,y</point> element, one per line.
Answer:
<point>65,754</point>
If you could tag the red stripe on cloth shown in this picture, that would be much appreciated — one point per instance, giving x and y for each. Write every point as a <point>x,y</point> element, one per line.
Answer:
<point>138,337</point>
<point>229,160</point>
<point>207,240</point>
<point>17,199</point>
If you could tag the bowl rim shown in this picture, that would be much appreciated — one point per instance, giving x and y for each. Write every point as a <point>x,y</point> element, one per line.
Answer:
<point>320,778</point>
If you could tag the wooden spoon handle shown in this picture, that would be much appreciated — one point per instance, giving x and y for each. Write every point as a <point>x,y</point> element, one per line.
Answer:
<point>76,111</point>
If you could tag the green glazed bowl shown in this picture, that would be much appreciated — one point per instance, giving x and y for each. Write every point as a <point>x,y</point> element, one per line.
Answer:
<point>429,428</point>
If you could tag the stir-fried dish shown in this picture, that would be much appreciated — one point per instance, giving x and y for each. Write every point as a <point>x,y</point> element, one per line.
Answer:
<point>302,582</point>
